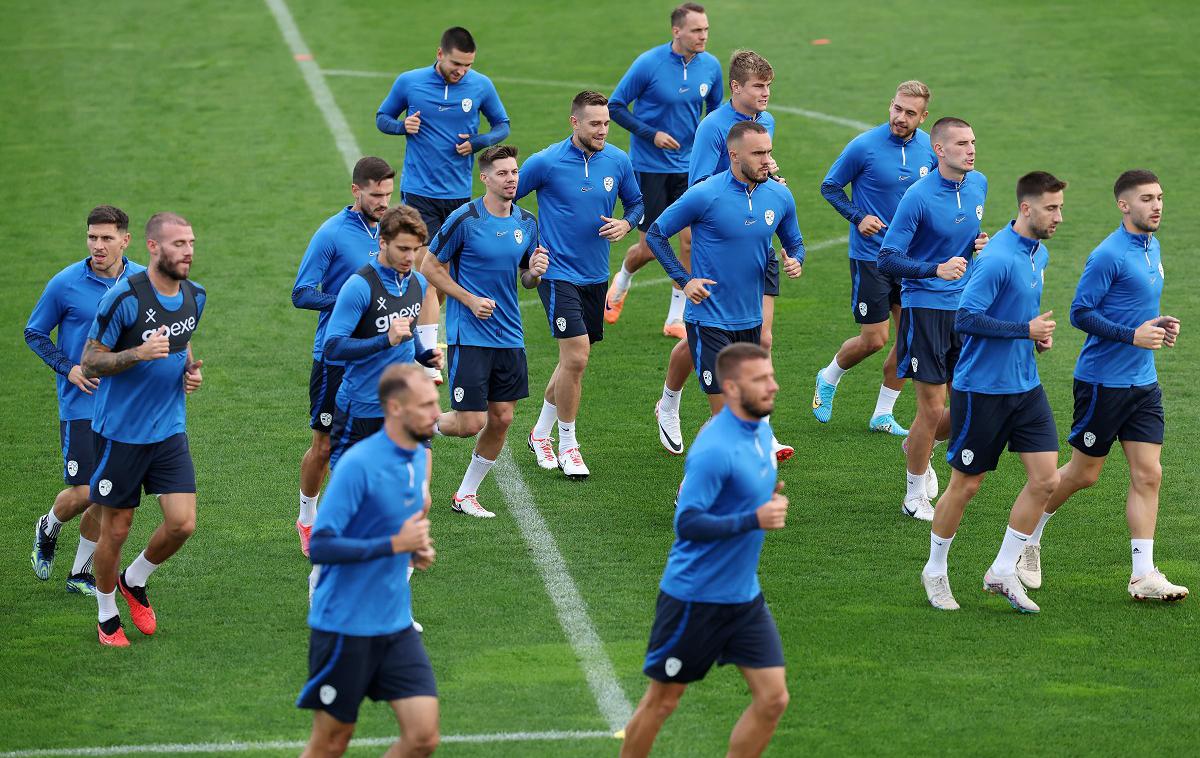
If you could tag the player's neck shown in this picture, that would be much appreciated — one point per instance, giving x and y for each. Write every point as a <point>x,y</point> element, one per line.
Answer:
<point>1132,228</point>
<point>747,111</point>
<point>113,272</point>
<point>741,415</point>
<point>677,48</point>
<point>497,206</point>
<point>163,284</point>
<point>398,434</point>
<point>750,184</point>
<point>950,174</point>
<point>370,222</point>
<point>579,145</point>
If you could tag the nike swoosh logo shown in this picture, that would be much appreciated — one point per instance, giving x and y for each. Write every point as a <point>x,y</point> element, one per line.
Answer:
<point>445,107</point>
<point>904,508</point>
<point>960,220</point>
<point>671,443</point>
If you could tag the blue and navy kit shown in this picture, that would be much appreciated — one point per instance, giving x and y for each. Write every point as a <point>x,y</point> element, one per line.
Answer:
<point>732,229</point>
<point>145,403</point>
<point>69,305</point>
<point>937,219</point>
<point>484,253</point>
<point>432,166</point>
<point>343,245</point>
<point>710,154</point>
<point>1119,290</point>
<point>668,93</point>
<point>879,167</point>
<point>574,189</point>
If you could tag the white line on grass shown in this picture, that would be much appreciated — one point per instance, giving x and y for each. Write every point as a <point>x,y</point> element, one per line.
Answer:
<point>244,747</point>
<point>569,605</point>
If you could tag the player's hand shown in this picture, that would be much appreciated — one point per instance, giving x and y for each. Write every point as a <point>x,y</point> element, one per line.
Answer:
<point>1041,327</point>
<point>981,241</point>
<point>696,291</point>
<point>413,535</point>
<point>1149,335</point>
<point>158,346</point>
<point>664,141</point>
<point>871,225</point>
<point>86,384</point>
<point>772,168</point>
<point>435,359</point>
<point>423,558</point>
<point>464,147</point>
<point>192,377</point>
<point>412,124</point>
<point>539,261</point>
<point>773,513</point>
<point>482,307</point>
<point>399,330</point>
<point>1044,345</point>
<point>1171,325</point>
<point>614,228</point>
<point>952,269</point>
<point>791,266</point>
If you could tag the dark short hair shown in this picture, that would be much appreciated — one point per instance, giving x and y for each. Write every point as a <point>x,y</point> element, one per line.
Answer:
<point>1038,183</point>
<point>679,15</point>
<point>457,38</point>
<point>942,124</point>
<point>741,128</point>
<point>397,380</point>
<point>745,65</point>
<point>401,219</point>
<point>109,214</point>
<point>371,169</point>
<point>586,98</point>
<point>155,224</point>
<point>1135,177</point>
<point>495,153</point>
<point>731,358</point>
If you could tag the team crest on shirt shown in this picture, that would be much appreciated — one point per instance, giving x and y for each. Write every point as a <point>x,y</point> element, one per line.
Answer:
<point>72,468</point>
<point>458,394</point>
<point>466,105</point>
<point>704,89</point>
<point>518,235</point>
<point>924,170</point>
<point>328,694</point>
<point>968,455</point>
<point>769,217</point>
<point>105,487</point>
<point>979,212</point>
<point>608,184</point>
<point>672,666</point>
<point>707,377</point>
<point>326,419</point>
<point>1089,439</point>
<point>561,323</point>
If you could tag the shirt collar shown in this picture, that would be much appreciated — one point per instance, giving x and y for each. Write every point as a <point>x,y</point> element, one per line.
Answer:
<point>87,269</point>
<point>1026,242</point>
<point>1141,240</point>
<point>749,427</point>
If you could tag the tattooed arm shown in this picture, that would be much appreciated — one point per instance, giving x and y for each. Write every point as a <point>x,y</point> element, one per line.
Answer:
<point>99,360</point>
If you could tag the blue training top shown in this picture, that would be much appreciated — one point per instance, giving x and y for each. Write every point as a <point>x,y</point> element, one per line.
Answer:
<point>710,154</point>
<point>574,190</point>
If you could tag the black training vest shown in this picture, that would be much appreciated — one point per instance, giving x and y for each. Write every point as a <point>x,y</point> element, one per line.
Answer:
<point>151,316</point>
<point>384,306</point>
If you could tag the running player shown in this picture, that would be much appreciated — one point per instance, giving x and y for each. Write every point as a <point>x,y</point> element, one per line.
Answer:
<point>441,131</point>
<point>669,87</point>
<point>879,165</point>
<point>577,182</point>
<point>710,606</point>
<point>998,397</point>
<point>1117,396</point>
<point>933,233</point>
<point>474,259</point>
<point>140,343</point>
<point>68,304</point>
<point>373,525</point>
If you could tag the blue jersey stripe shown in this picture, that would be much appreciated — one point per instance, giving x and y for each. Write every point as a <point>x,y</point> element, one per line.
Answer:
<point>657,654</point>
<point>324,672</point>
<point>962,434</point>
<point>96,475</point>
<point>1091,411</point>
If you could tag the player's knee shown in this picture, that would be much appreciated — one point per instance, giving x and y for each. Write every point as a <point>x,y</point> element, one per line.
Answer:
<point>765,339</point>
<point>873,340</point>
<point>1146,476</point>
<point>969,485</point>
<point>1081,479</point>
<point>664,705</point>
<point>115,530</point>
<point>1044,486</point>
<point>775,703</point>
<point>423,741</point>
<point>574,363</point>
<point>321,447</point>
<point>336,743</point>
<point>500,417</point>
<point>470,424</point>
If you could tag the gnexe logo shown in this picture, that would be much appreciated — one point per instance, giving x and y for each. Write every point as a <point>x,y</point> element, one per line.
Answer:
<point>173,330</point>
<point>383,322</point>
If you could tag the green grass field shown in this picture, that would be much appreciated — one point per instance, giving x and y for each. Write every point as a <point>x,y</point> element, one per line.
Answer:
<point>198,107</point>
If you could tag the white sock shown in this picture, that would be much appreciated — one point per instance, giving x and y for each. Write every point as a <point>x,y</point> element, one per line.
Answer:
<point>107,603</point>
<point>545,423</point>
<point>476,471</point>
<point>308,508</point>
<point>886,401</point>
<point>566,436</point>
<point>1010,550</point>
<point>139,571</point>
<point>622,280</point>
<point>939,549</point>
<point>1143,556</point>
<point>675,312</point>
<point>1036,537</point>
<point>833,372</point>
<point>428,334</point>
<point>83,556</point>
<point>670,399</point>
<point>916,485</point>
<point>49,525</point>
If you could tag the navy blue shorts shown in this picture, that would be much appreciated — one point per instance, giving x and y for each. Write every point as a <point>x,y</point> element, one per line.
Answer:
<point>872,292</point>
<point>434,210</point>
<point>688,638</point>
<point>124,469</point>
<point>323,385</point>
<point>706,341</point>
<point>347,430</point>
<point>343,669</point>
<point>771,286</point>
<point>658,192</point>
<point>482,375</point>
<point>574,310</point>
<point>981,425</point>
<point>78,450</point>
<point>927,346</point>
<point>1105,414</point>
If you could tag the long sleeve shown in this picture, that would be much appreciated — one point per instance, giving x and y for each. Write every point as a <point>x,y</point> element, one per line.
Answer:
<point>836,196</point>
<point>699,526</point>
<point>50,353</point>
<point>387,119</point>
<point>1099,272</point>
<point>845,170</point>
<point>1089,320</point>
<point>678,215</point>
<point>47,316</point>
<point>306,292</point>
<point>327,548</point>
<point>983,325</point>
<point>632,203</point>
<point>788,232</point>
<point>660,245</point>
<point>628,90</point>
<point>312,299</point>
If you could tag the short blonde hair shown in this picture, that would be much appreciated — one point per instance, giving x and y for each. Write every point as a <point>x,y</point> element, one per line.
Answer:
<point>746,65</point>
<point>914,88</point>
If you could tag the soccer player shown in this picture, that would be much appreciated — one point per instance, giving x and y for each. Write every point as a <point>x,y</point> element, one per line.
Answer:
<point>140,343</point>
<point>68,304</point>
<point>474,259</point>
<point>1117,396</point>
<point>441,131</point>
<point>879,165</point>
<point>577,182</point>
<point>341,246</point>
<point>710,606</point>
<point>933,233</point>
<point>373,524</point>
<point>998,397</point>
<point>733,216</point>
<point>669,87</point>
